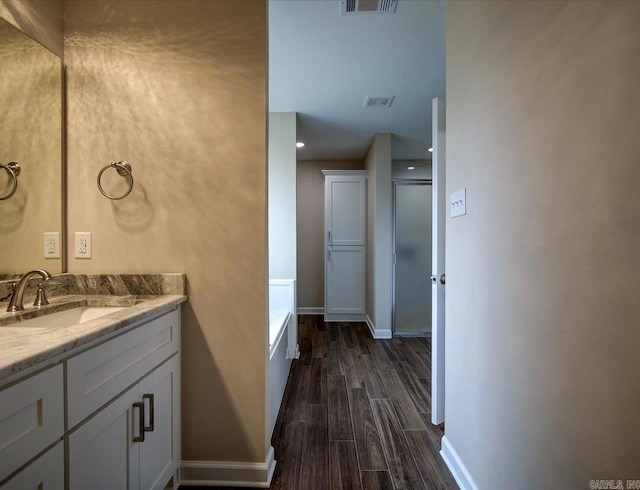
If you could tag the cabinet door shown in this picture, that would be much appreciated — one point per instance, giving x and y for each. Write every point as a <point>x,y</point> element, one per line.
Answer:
<point>45,473</point>
<point>345,281</point>
<point>345,210</point>
<point>102,454</point>
<point>160,451</point>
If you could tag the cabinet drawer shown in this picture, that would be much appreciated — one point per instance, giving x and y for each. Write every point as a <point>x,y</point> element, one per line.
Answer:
<point>31,418</point>
<point>45,473</point>
<point>99,374</point>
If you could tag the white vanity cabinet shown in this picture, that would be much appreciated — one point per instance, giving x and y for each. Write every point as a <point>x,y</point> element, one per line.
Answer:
<point>133,441</point>
<point>106,417</point>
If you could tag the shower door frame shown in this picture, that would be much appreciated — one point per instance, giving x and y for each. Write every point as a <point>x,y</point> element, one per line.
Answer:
<point>395,183</point>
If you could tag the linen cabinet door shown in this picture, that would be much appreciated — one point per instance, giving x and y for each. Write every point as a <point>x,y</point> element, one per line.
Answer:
<point>160,451</point>
<point>345,281</point>
<point>345,210</point>
<point>102,452</point>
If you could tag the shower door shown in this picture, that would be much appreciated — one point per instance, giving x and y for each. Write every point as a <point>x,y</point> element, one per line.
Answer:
<point>412,258</point>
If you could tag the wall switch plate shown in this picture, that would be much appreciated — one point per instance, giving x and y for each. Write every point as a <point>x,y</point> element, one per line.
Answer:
<point>459,203</point>
<point>83,245</point>
<point>52,245</point>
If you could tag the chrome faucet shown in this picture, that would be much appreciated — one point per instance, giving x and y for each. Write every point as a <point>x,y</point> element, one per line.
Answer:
<point>18,292</point>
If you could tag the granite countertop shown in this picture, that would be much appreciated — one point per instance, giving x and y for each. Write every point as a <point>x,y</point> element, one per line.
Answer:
<point>22,348</point>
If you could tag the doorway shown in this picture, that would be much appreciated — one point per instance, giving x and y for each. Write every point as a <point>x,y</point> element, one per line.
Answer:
<point>412,203</point>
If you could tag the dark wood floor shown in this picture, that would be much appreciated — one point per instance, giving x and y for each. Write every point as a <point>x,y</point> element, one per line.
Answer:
<point>356,413</point>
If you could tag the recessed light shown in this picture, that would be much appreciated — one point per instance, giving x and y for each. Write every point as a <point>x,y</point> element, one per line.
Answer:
<point>299,144</point>
<point>411,168</point>
<point>431,150</point>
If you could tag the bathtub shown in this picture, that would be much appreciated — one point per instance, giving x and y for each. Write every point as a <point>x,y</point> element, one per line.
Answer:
<point>283,333</point>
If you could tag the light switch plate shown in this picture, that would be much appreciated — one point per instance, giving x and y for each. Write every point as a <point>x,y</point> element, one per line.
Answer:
<point>459,203</point>
<point>83,245</point>
<point>52,245</point>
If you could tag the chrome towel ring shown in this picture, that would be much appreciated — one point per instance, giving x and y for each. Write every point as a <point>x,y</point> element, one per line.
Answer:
<point>13,169</point>
<point>123,168</point>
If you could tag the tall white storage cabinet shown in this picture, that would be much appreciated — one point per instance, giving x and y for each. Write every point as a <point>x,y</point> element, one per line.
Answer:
<point>345,222</point>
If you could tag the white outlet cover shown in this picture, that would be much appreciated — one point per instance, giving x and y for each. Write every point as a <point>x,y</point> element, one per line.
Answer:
<point>52,245</point>
<point>82,245</point>
<point>459,203</point>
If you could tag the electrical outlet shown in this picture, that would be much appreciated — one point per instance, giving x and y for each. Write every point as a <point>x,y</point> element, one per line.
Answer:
<point>83,245</point>
<point>52,245</point>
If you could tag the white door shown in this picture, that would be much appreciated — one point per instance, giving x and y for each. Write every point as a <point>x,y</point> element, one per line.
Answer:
<point>102,453</point>
<point>160,451</point>
<point>438,274</point>
<point>345,286</point>
<point>345,210</point>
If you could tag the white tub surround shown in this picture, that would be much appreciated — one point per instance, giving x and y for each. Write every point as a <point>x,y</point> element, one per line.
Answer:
<point>283,342</point>
<point>282,316</point>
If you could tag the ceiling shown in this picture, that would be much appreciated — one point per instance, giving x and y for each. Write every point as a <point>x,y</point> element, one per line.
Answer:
<point>322,65</point>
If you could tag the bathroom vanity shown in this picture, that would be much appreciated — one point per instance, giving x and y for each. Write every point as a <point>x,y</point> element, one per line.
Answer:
<point>90,391</point>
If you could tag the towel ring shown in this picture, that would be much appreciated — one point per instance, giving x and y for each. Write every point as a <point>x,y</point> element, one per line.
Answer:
<point>13,169</point>
<point>123,168</point>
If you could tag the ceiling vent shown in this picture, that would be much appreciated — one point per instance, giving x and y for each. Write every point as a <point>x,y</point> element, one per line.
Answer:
<point>349,7</point>
<point>378,101</point>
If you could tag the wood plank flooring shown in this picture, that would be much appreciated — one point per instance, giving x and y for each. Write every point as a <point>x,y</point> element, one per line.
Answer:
<point>356,413</point>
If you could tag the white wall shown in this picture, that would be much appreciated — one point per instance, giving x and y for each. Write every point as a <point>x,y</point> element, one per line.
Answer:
<point>543,273</point>
<point>282,195</point>
<point>379,204</point>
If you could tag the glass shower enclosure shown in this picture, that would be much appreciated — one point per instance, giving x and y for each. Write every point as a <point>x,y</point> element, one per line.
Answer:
<point>412,258</point>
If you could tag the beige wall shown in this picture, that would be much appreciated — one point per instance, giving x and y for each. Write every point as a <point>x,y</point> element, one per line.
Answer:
<point>379,209</point>
<point>310,226</point>
<point>41,19</point>
<point>31,115</point>
<point>542,364</point>
<point>178,89</point>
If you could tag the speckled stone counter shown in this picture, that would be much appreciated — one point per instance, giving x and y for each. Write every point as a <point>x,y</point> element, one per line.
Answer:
<point>145,296</point>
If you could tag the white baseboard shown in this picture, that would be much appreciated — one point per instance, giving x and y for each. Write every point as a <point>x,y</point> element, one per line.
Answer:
<point>456,466</point>
<point>378,333</point>
<point>344,317</point>
<point>313,310</point>
<point>228,474</point>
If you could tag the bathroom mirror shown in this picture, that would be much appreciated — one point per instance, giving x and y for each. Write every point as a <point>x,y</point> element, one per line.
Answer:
<point>31,133</point>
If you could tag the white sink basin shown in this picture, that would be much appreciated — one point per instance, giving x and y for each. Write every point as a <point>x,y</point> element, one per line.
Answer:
<point>67,318</point>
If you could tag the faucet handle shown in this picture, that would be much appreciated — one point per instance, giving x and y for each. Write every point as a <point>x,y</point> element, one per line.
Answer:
<point>41,296</point>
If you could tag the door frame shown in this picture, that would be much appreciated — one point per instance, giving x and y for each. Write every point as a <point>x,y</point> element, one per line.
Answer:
<point>439,219</point>
<point>396,183</point>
